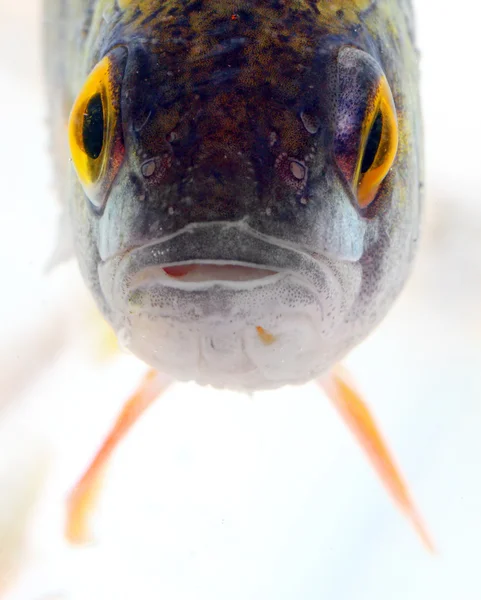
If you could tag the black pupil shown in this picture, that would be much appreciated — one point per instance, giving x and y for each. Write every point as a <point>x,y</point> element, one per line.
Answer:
<point>372,145</point>
<point>93,127</point>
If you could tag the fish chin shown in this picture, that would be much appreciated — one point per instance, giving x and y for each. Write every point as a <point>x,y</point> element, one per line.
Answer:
<point>226,322</point>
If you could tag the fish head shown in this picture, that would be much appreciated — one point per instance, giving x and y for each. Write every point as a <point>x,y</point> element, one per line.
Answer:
<point>247,206</point>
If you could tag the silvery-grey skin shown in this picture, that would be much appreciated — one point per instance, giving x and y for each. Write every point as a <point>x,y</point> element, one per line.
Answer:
<point>234,128</point>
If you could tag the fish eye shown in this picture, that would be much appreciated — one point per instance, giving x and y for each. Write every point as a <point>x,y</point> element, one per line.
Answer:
<point>366,137</point>
<point>372,144</point>
<point>95,131</point>
<point>379,144</point>
<point>93,127</point>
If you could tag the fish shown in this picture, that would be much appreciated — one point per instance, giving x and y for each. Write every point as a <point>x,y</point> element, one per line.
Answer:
<point>244,183</point>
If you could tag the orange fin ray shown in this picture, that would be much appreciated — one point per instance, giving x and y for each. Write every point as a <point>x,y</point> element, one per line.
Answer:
<point>83,497</point>
<point>357,416</point>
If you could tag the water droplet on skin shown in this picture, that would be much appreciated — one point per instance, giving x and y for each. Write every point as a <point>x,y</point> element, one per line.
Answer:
<point>310,122</point>
<point>148,168</point>
<point>297,170</point>
<point>304,200</point>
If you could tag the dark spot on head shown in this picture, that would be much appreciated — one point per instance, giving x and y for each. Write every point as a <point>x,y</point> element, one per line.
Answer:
<point>135,16</point>
<point>193,7</point>
<point>245,16</point>
<point>137,187</point>
<point>152,16</point>
<point>356,30</point>
<point>134,180</point>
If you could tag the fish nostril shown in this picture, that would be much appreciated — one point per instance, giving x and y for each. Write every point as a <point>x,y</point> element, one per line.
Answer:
<point>291,171</point>
<point>218,176</point>
<point>311,122</point>
<point>148,168</point>
<point>297,169</point>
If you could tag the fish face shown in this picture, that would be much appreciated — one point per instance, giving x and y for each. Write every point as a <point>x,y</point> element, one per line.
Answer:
<point>256,210</point>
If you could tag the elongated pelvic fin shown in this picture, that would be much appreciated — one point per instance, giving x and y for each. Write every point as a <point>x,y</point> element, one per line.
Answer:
<point>356,414</point>
<point>83,497</point>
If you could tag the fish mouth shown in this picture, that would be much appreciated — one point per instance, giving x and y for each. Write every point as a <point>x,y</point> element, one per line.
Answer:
<point>189,272</point>
<point>202,256</point>
<point>186,273</point>
<point>225,306</point>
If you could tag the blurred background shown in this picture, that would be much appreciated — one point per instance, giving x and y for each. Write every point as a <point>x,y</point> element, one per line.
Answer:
<point>217,495</point>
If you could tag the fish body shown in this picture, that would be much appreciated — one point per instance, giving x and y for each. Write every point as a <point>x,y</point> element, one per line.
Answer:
<point>245,193</point>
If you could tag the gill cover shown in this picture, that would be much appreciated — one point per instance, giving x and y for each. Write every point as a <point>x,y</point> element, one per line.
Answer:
<point>95,128</point>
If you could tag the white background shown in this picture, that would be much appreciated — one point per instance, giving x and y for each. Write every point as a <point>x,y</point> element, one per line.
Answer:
<point>220,496</point>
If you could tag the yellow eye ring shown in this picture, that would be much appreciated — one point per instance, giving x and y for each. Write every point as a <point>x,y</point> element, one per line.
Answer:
<point>94,129</point>
<point>379,143</point>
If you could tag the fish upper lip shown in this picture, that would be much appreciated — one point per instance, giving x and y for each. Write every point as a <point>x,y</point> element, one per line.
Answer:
<point>215,242</point>
<point>240,226</point>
